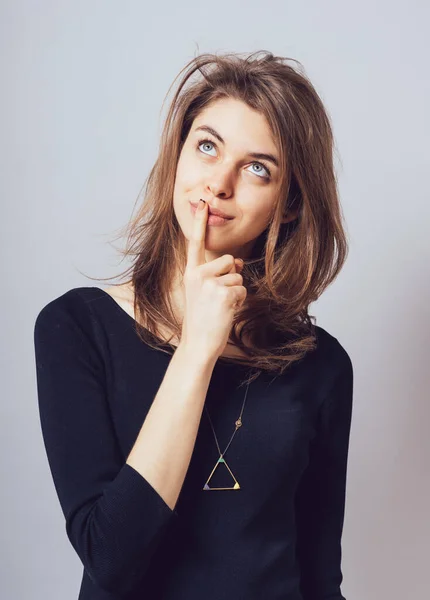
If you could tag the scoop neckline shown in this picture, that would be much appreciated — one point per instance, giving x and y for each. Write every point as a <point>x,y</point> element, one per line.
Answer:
<point>116,304</point>
<point>221,360</point>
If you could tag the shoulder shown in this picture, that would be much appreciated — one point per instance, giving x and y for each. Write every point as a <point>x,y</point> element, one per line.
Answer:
<point>332,355</point>
<point>72,300</point>
<point>71,307</point>
<point>66,339</point>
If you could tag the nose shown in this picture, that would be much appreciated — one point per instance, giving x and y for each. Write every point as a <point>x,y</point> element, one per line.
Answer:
<point>221,184</point>
<point>220,179</point>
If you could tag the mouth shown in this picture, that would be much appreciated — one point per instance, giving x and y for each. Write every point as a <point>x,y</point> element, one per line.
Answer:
<point>213,212</point>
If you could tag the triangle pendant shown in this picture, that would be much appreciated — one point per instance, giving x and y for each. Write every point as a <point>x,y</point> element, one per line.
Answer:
<point>220,461</point>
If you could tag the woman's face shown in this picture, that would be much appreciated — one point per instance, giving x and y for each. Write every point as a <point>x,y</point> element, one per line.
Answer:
<point>226,175</point>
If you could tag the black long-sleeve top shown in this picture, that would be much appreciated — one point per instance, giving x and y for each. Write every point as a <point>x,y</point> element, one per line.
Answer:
<point>276,538</point>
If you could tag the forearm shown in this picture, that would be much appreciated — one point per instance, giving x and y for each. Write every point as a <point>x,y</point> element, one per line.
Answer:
<point>163,448</point>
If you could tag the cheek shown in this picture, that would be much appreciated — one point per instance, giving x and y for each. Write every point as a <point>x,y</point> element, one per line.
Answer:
<point>186,172</point>
<point>255,225</point>
<point>255,216</point>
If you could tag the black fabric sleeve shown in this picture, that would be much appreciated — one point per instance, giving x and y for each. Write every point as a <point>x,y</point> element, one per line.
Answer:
<point>114,518</point>
<point>320,500</point>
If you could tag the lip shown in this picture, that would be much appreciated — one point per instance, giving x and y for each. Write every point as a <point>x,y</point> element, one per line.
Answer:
<point>214,211</point>
<point>213,220</point>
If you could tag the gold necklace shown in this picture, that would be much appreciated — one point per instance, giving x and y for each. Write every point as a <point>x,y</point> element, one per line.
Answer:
<point>221,460</point>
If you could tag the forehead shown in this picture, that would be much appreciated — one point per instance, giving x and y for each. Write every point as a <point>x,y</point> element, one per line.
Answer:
<point>238,124</point>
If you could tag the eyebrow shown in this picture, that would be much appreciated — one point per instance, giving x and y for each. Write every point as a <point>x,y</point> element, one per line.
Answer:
<point>257,155</point>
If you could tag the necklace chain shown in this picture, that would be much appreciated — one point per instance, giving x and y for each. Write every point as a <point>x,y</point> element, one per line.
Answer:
<point>238,423</point>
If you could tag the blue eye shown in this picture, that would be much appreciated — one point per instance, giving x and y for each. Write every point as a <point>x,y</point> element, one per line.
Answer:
<point>200,142</point>
<point>206,141</point>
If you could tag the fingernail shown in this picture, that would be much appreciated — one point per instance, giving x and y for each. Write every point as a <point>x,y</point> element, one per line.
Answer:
<point>201,204</point>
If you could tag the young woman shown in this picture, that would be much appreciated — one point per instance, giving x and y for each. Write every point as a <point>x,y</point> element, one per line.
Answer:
<point>196,420</point>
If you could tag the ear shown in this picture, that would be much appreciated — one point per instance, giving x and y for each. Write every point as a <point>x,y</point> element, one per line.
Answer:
<point>290,216</point>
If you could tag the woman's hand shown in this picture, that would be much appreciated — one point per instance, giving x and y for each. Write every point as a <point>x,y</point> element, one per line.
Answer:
<point>213,292</point>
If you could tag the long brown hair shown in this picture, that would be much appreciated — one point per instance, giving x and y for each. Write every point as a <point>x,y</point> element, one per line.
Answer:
<point>291,263</point>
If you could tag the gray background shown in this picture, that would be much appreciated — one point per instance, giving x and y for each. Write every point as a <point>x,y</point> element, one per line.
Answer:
<point>82,87</point>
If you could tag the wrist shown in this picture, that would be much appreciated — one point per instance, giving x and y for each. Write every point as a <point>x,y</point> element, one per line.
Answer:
<point>194,355</point>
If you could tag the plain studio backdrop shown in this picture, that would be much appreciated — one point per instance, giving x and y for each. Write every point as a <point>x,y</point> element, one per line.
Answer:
<point>82,88</point>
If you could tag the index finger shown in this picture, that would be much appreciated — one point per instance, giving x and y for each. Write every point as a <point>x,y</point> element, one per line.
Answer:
<point>196,245</point>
